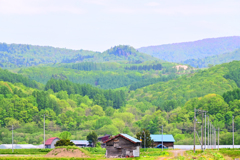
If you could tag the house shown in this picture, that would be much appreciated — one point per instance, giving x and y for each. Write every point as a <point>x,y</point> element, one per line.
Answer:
<point>168,140</point>
<point>122,145</point>
<point>102,139</point>
<point>50,143</point>
<point>81,143</point>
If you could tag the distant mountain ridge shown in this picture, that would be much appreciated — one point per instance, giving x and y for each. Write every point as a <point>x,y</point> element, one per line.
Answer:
<point>213,60</point>
<point>179,52</point>
<point>21,55</point>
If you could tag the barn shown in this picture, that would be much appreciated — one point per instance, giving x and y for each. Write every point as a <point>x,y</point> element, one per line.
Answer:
<point>122,145</point>
<point>168,140</point>
<point>51,142</point>
<point>81,143</point>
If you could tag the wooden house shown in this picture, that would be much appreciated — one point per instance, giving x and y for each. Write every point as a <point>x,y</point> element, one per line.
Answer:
<point>122,145</point>
<point>168,140</point>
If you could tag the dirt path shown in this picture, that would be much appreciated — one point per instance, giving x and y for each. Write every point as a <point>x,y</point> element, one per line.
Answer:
<point>176,153</point>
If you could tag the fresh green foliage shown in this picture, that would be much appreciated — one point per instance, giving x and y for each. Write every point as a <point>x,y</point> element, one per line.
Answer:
<point>101,97</point>
<point>5,75</point>
<point>65,135</point>
<point>187,86</point>
<point>64,142</point>
<point>150,81</point>
<point>144,136</point>
<point>230,152</point>
<point>234,75</point>
<point>92,138</point>
<point>80,109</point>
<point>95,150</point>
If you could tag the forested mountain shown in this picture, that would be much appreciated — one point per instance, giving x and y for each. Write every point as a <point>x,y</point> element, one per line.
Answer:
<point>20,55</point>
<point>178,52</point>
<point>171,94</point>
<point>108,75</point>
<point>7,76</point>
<point>81,108</point>
<point>213,60</point>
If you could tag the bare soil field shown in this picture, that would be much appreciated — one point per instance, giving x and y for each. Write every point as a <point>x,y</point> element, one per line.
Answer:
<point>64,152</point>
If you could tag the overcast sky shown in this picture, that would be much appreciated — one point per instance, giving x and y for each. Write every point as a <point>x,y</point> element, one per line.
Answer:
<point>100,24</point>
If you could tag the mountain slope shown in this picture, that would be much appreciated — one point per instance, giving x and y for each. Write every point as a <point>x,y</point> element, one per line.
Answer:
<point>174,93</point>
<point>20,55</point>
<point>178,52</point>
<point>213,60</point>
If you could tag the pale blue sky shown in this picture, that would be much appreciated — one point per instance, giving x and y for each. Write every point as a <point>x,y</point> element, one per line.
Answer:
<point>100,24</point>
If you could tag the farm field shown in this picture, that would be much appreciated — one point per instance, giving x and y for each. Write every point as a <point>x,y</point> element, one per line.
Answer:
<point>99,153</point>
<point>90,153</point>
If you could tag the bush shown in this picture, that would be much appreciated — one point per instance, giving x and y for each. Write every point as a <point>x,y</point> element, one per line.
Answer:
<point>64,142</point>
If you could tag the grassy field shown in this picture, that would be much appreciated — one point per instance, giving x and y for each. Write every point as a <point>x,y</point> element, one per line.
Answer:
<point>94,153</point>
<point>222,154</point>
<point>99,153</point>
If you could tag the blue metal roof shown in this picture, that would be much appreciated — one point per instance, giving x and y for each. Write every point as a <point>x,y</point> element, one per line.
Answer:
<point>130,138</point>
<point>80,142</point>
<point>158,138</point>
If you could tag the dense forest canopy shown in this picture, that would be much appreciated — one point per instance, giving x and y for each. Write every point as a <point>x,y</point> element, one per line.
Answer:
<point>81,108</point>
<point>107,75</point>
<point>117,91</point>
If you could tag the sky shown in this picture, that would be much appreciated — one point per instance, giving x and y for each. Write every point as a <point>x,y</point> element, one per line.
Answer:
<point>101,24</point>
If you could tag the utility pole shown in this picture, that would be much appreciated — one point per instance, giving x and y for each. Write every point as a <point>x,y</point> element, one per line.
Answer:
<point>202,132</point>
<point>162,138</point>
<point>218,138</point>
<point>210,136</point>
<point>44,131</point>
<point>205,131</point>
<point>208,132</point>
<point>194,121</point>
<point>233,129</point>
<point>12,139</point>
<point>215,138</point>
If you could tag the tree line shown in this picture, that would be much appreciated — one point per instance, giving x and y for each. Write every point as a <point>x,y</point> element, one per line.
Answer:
<point>145,67</point>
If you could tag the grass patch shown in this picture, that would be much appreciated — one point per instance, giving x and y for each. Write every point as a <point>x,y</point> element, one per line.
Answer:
<point>154,152</point>
<point>25,151</point>
<point>95,150</point>
<point>230,153</point>
<point>42,158</point>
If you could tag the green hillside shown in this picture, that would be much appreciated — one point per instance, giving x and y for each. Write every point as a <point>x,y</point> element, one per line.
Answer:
<point>174,93</point>
<point>80,109</point>
<point>108,75</point>
<point>20,55</point>
<point>213,60</point>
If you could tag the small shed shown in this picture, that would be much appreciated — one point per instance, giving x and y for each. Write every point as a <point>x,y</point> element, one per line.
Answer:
<point>168,140</point>
<point>122,145</point>
<point>81,143</point>
<point>51,142</point>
